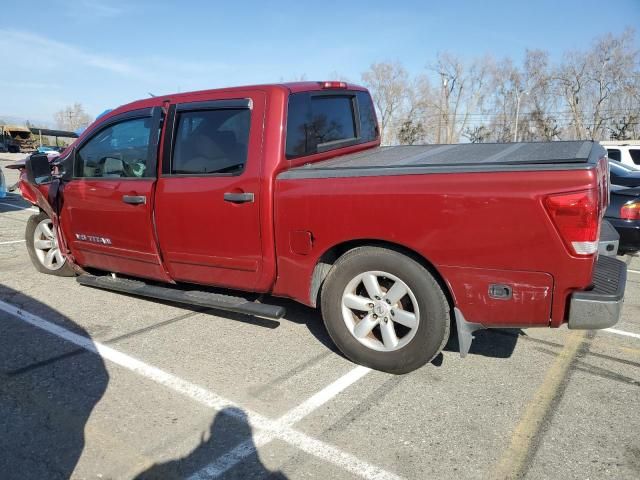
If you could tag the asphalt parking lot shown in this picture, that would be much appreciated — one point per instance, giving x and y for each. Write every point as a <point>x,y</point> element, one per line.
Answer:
<point>99,385</point>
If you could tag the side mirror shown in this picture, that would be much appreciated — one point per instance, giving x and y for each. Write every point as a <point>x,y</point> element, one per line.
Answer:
<point>38,169</point>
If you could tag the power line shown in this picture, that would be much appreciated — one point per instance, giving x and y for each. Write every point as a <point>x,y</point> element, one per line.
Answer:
<point>566,113</point>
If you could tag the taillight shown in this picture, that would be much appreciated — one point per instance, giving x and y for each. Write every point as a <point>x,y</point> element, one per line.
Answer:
<point>630,211</point>
<point>576,217</point>
<point>333,84</point>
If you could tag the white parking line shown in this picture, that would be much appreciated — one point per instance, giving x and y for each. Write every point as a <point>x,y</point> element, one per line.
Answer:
<point>270,428</point>
<point>18,207</point>
<point>12,242</point>
<point>633,271</point>
<point>227,461</point>
<point>622,332</point>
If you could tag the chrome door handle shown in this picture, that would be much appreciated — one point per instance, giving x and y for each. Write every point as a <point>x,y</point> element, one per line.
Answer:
<point>134,199</point>
<point>238,197</point>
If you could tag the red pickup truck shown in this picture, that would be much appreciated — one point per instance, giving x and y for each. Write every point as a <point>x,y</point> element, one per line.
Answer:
<point>284,189</point>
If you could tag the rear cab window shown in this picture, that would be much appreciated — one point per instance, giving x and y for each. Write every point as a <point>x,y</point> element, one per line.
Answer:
<point>323,121</point>
<point>635,155</point>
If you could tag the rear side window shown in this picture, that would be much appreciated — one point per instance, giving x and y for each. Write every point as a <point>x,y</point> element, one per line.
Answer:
<point>635,155</point>
<point>118,151</point>
<point>211,142</point>
<point>368,120</point>
<point>321,122</point>
<point>614,154</point>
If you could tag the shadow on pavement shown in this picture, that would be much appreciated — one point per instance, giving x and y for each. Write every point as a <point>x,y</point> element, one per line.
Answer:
<point>310,317</point>
<point>13,202</point>
<point>229,428</point>
<point>44,405</point>
<point>495,343</point>
<point>48,389</point>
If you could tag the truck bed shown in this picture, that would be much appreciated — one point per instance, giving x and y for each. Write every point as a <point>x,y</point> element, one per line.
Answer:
<point>419,159</point>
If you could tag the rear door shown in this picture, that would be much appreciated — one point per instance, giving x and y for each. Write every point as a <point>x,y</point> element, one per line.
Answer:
<point>107,209</point>
<point>208,195</point>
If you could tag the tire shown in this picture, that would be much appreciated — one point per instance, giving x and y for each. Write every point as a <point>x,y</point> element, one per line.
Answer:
<point>348,316</point>
<point>51,264</point>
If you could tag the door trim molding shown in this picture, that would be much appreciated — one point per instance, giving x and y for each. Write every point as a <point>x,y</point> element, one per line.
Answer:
<point>211,261</point>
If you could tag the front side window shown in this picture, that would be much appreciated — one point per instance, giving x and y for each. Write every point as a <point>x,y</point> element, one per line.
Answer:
<point>118,151</point>
<point>635,155</point>
<point>211,142</point>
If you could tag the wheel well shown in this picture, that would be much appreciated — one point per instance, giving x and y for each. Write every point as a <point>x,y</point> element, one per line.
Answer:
<point>326,261</point>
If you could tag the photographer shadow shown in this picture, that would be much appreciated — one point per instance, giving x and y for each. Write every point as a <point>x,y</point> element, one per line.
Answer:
<point>48,389</point>
<point>229,429</point>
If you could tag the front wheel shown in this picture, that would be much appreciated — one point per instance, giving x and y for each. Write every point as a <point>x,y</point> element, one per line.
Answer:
<point>42,244</point>
<point>384,310</point>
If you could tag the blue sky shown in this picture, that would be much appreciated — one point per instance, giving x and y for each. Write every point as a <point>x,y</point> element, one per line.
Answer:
<point>104,53</point>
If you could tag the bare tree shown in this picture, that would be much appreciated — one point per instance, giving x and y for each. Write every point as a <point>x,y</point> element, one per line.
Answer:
<point>463,87</point>
<point>335,75</point>
<point>508,93</point>
<point>590,94</point>
<point>540,120</point>
<point>388,84</point>
<point>626,128</point>
<point>418,118</point>
<point>478,134</point>
<point>598,82</point>
<point>72,118</point>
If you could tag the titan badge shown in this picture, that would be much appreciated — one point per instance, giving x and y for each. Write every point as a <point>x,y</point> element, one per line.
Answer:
<point>93,239</point>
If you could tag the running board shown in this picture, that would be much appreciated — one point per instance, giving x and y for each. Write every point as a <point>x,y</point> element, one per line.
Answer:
<point>191,297</point>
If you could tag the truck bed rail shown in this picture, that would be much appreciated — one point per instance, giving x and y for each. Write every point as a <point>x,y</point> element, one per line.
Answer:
<point>421,159</point>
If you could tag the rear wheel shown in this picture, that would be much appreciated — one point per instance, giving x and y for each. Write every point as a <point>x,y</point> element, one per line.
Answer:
<point>42,244</point>
<point>385,310</point>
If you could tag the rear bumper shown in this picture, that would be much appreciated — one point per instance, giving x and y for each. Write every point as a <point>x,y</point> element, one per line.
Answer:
<point>601,306</point>
<point>629,234</point>
<point>609,240</point>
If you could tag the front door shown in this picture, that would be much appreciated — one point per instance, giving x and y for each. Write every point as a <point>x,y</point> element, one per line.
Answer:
<point>108,205</point>
<point>208,195</point>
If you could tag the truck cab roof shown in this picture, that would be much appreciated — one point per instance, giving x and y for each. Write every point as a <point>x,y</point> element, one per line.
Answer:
<point>287,87</point>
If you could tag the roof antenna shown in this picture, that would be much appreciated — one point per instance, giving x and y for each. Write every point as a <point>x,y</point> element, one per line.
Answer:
<point>151,95</point>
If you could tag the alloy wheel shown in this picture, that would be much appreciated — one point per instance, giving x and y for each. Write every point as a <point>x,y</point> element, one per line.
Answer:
<point>45,243</point>
<point>380,311</point>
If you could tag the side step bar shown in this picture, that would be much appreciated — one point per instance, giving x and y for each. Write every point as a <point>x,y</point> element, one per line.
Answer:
<point>192,297</point>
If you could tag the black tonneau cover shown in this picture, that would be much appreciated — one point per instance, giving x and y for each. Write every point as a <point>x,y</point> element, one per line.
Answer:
<point>470,157</point>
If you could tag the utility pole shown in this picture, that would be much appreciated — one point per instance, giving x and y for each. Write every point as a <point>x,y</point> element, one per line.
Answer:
<point>515,130</point>
<point>443,87</point>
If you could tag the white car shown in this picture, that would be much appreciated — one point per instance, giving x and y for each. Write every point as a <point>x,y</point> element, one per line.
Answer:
<point>624,151</point>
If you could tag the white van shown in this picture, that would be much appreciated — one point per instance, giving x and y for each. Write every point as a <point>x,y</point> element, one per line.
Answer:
<point>624,151</point>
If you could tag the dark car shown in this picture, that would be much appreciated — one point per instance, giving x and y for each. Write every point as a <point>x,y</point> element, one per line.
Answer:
<point>624,175</point>
<point>624,214</point>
